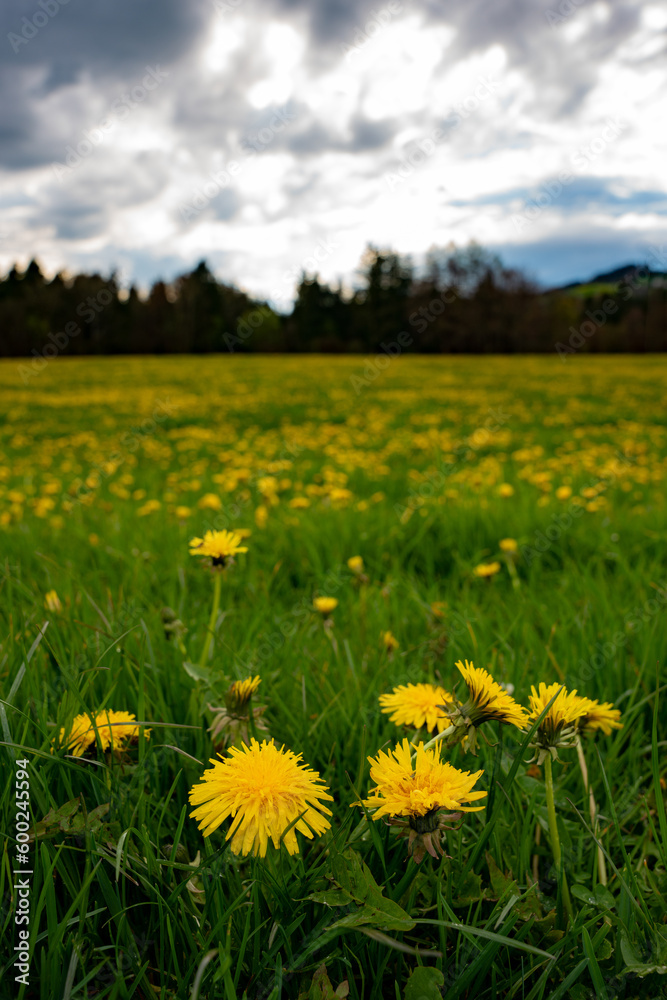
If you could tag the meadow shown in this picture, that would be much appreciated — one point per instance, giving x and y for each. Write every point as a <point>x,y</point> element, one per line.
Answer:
<point>505,511</point>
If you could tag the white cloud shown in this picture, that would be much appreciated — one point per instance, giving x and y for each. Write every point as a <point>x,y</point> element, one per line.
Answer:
<point>351,111</point>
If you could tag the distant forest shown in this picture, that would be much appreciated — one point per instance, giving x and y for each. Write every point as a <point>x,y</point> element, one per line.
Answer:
<point>461,301</point>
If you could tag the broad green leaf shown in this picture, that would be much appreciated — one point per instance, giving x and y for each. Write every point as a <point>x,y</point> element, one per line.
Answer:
<point>331,897</point>
<point>424,984</point>
<point>604,898</point>
<point>355,885</point>
<point>387,917</point>
<point>196,672</point>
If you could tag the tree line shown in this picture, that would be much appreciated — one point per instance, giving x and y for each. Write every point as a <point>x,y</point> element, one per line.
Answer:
<point>460,301</point>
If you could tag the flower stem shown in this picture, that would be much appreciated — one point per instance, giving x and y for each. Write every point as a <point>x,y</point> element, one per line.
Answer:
<point>406,881</point>
<point>251,721</point>
<point>436,739</point>
<point>553,831</point>
<point>602,866</point>
<point>213,619</point>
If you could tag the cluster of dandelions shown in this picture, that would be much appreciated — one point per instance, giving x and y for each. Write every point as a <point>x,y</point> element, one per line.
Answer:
<point>558,717</point>
<point>433,708</point>
<point>269,793</point>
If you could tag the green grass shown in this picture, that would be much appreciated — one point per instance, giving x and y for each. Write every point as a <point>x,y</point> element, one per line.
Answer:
<point>127,899</point>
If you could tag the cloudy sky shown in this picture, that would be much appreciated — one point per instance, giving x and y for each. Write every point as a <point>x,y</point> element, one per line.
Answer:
<point>271,136</point>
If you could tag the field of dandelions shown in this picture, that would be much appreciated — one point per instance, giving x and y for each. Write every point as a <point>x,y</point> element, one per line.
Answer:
<point>327,679</point>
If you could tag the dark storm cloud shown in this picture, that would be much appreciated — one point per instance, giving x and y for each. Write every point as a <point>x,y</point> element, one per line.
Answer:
<point>334,23</point>
<point>108,37</point>
<point>314,137</point>
<point>530,33</point>
<point>532,36</point>
<point>75,220</point>
<point>111,44</point>
<point>48,46</point>
<point>371,134</point>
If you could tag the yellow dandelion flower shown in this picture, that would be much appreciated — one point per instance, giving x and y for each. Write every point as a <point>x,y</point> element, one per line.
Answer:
<point>487,569</point>
<point>52,602</point>
<point>210,501</point>
<point>430,785</point>
<point>600,716</point>
<point>241,692</point>
<point>356,564</point>
<point>115,729</point>
<point>234,722</point>
<point>182,512</point>
<point>221,546</point>
<point>149,508</point>
<point>563,492</point>
<point>566,709</point>
<point>558,727</point>
<point>299,503</point>
<point>325,605</point>
<point>261,516</point>
<point>418,705</point>
<point>487,700</point>
<point>389,641</point>
<point>264,790</point>
<point>419,794</point>
<point>509,545</point>
<point>80,735</point>
<point>506,490</point>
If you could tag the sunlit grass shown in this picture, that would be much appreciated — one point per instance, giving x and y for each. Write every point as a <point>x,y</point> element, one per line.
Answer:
<point>108,468</point>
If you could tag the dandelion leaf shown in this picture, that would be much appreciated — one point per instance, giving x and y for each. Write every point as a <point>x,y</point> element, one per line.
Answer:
<point>354,883</point>
<point>424,984</point>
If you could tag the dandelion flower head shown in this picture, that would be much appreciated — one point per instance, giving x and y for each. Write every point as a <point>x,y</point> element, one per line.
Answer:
<point>418,705</point>
<point>558,727</point>
<point>52,602</point>
<point>389,641</point>
<point>265,790</point>
<point>220,546</point>
<point>487,569</point>
<point>241,692</point>
<point>115,730</point>
<point>488,700</point>
<point>413,789</point>
<point>325,605</point>
<point>600,716</point>
<point>509,545</point>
